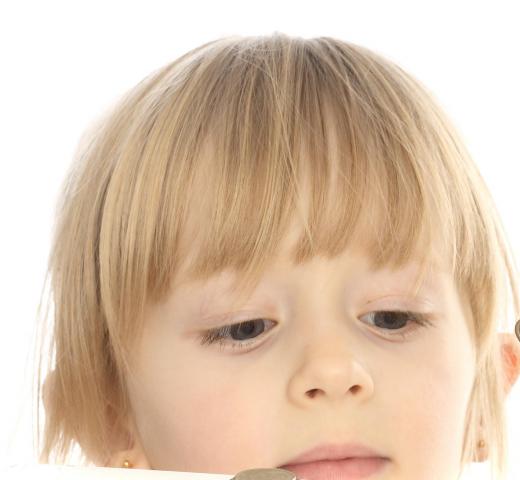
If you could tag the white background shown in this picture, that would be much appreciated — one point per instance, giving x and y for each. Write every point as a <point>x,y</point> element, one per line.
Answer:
<point>63,63</point>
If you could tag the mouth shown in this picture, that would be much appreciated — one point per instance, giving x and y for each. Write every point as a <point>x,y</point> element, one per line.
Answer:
<point>353,468</point>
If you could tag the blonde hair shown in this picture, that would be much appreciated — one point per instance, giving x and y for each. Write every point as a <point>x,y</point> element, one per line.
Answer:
<point>230,128</point>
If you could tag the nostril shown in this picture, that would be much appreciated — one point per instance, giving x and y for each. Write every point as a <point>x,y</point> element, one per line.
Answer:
<point>312,393</point>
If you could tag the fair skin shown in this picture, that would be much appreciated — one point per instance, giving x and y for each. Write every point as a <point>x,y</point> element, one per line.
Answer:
<point>318,369</point>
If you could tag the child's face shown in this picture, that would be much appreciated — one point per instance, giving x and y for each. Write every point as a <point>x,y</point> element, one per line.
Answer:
<point>319,369</point>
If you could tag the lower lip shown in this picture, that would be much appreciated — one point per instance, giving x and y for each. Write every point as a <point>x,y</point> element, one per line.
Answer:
<point>347,469</point>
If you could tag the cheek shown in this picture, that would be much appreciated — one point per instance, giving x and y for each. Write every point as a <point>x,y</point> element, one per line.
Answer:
<point>430,401</point>
<point>196,423</point>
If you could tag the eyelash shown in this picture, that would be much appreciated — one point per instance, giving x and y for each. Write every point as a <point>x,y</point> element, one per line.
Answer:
<point>217,335</point>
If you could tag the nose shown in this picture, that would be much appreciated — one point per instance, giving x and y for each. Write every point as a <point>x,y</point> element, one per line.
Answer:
<point>330,371</point>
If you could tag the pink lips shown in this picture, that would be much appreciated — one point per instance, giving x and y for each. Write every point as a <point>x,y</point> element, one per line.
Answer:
<point>348,469</point>
<point>339,462</point>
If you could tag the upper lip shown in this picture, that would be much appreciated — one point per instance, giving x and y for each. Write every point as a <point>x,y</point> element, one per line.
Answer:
<point>332,451</point>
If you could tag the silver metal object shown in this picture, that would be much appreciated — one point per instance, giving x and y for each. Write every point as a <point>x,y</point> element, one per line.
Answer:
<point>265,474</point>
<point>517,330</point>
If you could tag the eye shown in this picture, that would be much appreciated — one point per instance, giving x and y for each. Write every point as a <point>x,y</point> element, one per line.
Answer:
<point>391,322</point>
<point>239,332</point>
<point>396,321</point>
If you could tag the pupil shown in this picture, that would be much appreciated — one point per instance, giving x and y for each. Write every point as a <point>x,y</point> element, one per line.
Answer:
<point>243,330</point>
<point>389,319</point>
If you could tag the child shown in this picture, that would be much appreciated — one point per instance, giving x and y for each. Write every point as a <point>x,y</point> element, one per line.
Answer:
<point>313,189</point>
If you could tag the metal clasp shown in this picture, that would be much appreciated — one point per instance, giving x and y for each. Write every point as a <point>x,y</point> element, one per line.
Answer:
<point>265,474</point>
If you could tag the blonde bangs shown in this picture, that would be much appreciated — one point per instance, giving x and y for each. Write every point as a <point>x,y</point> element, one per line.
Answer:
<point>368,181</point>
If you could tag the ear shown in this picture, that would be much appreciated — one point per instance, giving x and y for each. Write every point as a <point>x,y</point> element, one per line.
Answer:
<point>510,348</point>
<point>127,446</point>
<point>126,443</point>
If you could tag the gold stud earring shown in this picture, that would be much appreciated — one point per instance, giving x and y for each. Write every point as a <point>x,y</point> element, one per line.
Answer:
<point>127,464</point>
<point>481,444</point>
